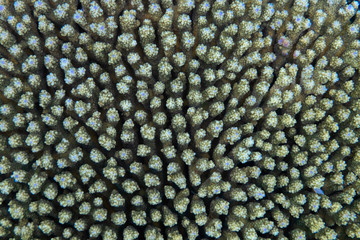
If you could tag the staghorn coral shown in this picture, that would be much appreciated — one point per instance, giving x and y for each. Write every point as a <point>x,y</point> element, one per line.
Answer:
<point>179,119</point>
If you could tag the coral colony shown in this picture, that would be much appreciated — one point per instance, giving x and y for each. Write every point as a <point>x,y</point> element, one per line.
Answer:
<point>179,119</point>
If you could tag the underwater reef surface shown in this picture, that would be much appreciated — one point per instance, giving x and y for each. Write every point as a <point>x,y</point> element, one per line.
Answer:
<point>179,119</point>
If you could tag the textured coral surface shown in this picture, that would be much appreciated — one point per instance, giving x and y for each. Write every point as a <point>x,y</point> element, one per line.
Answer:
<point>179,119</point>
